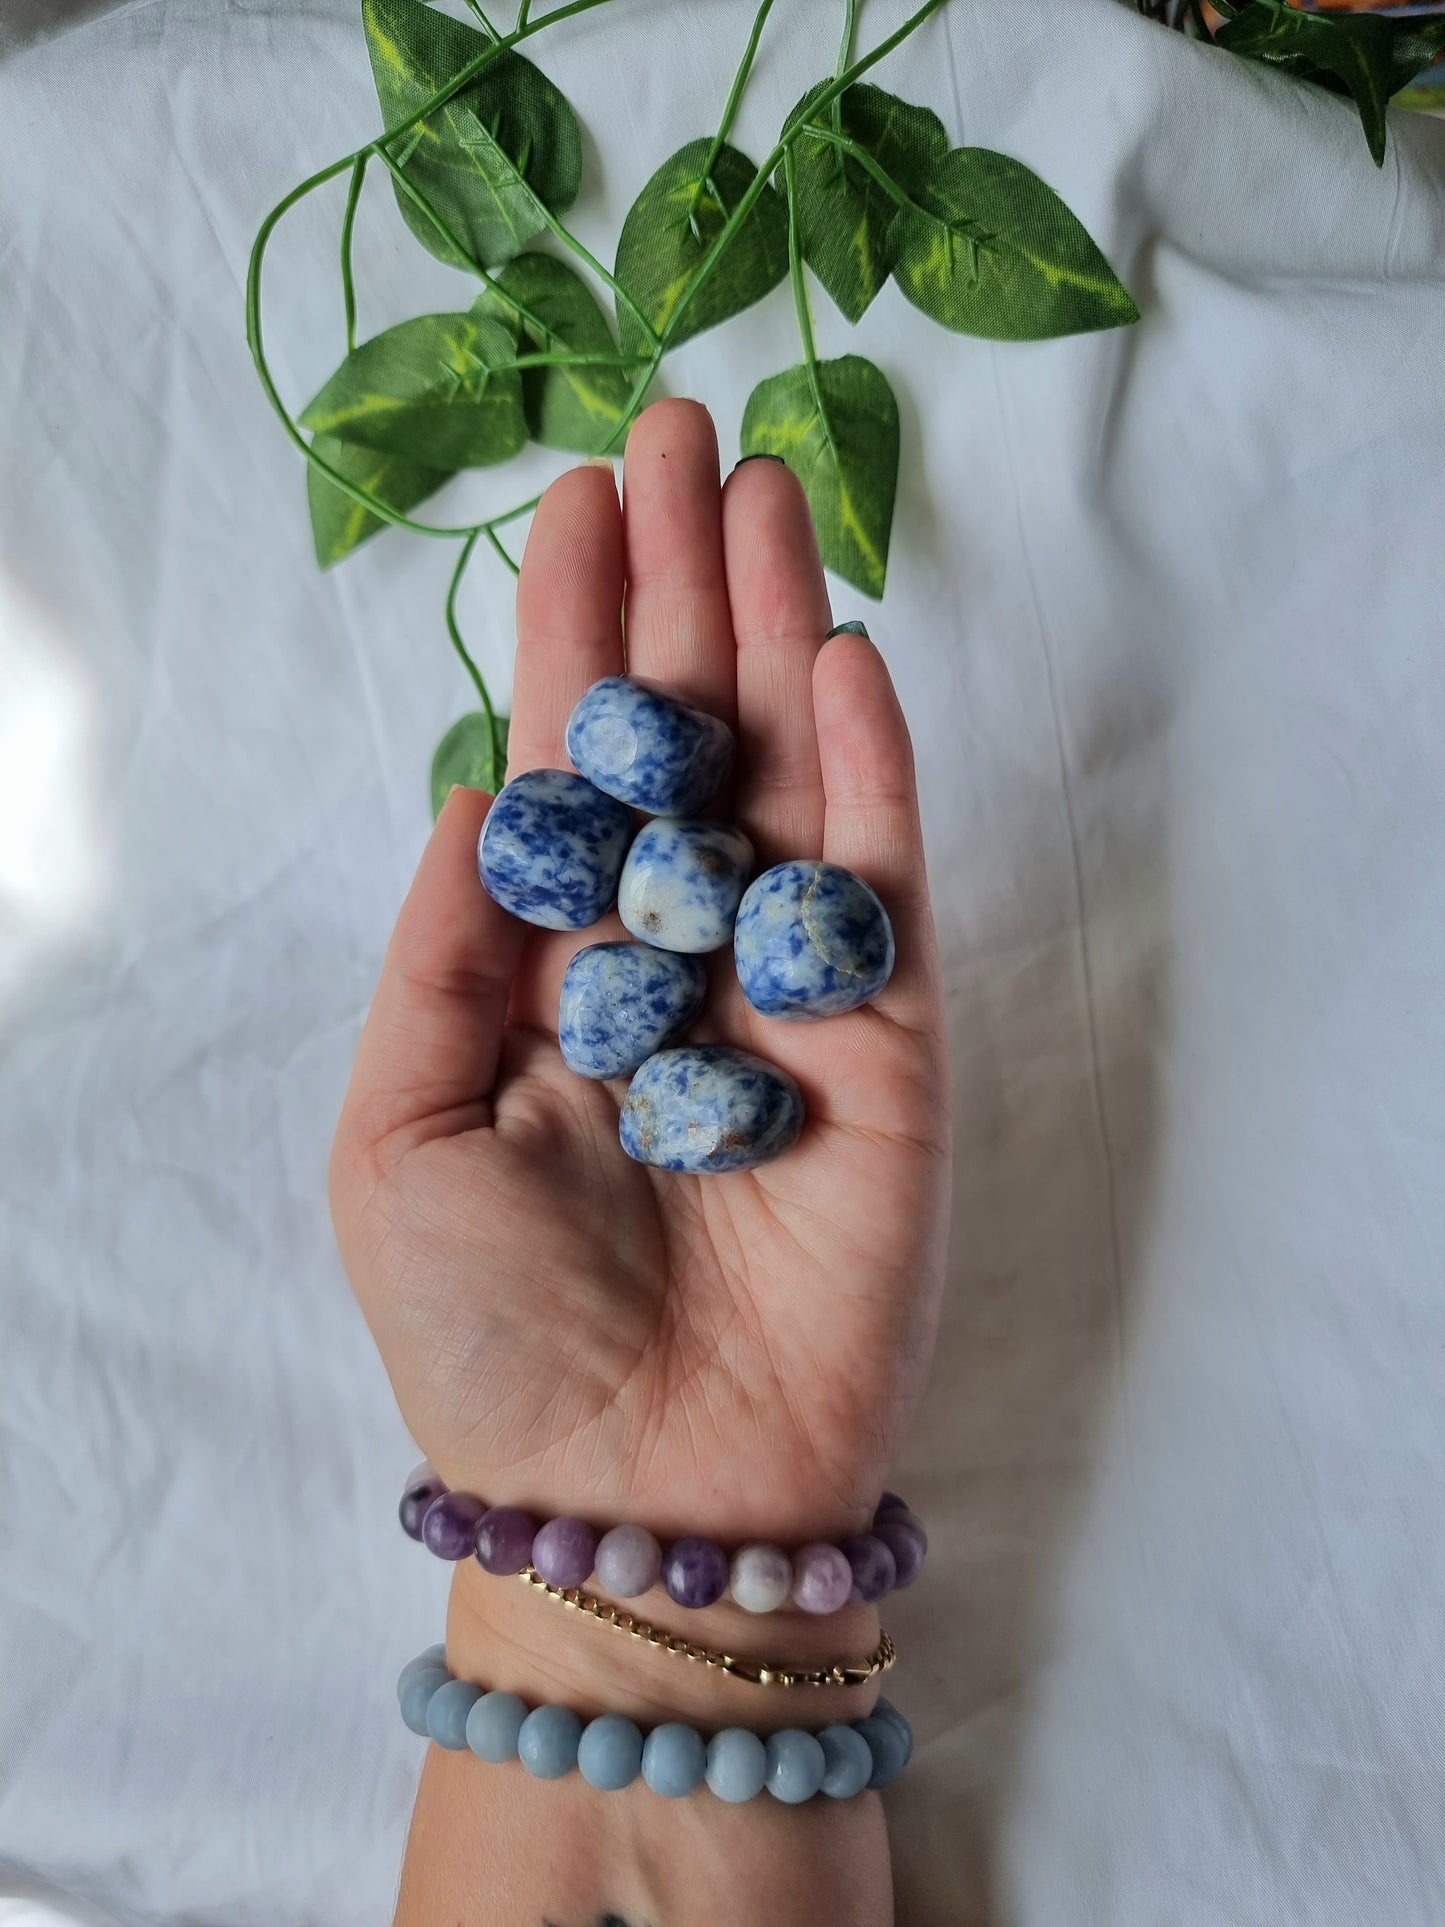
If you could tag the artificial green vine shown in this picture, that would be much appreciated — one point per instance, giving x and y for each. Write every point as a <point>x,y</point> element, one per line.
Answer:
<point>485,156</point>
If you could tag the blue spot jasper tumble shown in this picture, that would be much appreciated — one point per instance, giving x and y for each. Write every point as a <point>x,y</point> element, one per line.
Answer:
<point>551,849</point>
<point>682,883</point>
<point>710,1108</point>
<point>649,749</point>
<point>812,940</point>
<point>621,1002</point>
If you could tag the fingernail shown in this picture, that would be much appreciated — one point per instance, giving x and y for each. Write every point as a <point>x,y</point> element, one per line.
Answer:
<point>599,461</point>
<point>761,455</point>
<point>849,629</point>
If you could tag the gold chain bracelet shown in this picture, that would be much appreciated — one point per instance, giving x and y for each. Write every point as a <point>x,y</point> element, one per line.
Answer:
<point>757,1672</point>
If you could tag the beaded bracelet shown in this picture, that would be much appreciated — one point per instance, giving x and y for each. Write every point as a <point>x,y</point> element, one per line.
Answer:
<point>629,1561</point>
<point>673,1759</point>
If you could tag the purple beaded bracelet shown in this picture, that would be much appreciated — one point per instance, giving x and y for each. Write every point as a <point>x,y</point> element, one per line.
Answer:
<point>628,1561</point>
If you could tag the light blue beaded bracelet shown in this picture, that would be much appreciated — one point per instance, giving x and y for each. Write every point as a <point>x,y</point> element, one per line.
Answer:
<point>673,1759</point>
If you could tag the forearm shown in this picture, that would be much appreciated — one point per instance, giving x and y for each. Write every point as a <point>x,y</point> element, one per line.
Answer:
<point>491,1845</point>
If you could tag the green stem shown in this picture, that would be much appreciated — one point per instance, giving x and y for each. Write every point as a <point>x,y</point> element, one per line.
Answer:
<point>875,167</point>
<point>497,544</point>
<point>730,111</point>
<point>845,54</point>
<point>800,301</point>
<point>481,19</point>
<point>566,359</point>
<point>348,223</point>
<point>478,680</point>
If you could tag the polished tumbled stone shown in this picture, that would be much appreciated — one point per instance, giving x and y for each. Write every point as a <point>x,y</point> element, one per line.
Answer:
<point>710,1108</point>
<point>872,1564</point>
<point>847,1762</point>
<point>674,1759</point>
<point>548,1740</point>
<point>629,1561</point>
<point>609,1755</point>
<point>737,1765</point>
<point>621,1002</point>
<point>695,1572</point>
<point>563,1552</point>
<point>504,1539</point>
<point>447,1712</point>
<point>551,849</point>
<point>822,1578</point>
<point>812,940</point>
<point>761,1578</point>
<point>905,1540</point>
<point>682,884</point>
<point>449,1524</point>
<point>795,1766</point>
<point>647,748</point>
<point>493,1726</point>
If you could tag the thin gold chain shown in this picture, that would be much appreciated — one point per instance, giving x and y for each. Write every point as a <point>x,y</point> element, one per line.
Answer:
<point>756,1672</point>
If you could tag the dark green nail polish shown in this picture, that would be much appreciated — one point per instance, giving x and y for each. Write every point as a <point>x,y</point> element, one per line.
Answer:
<point>849,629</point>
<point>762,455</point>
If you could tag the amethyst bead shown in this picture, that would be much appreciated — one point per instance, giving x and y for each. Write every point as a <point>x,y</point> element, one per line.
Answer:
<point>894,1512</point>
<point>907,1544</point>
<point>822,1579</point>
<point>875,1571</point>
<point>695,1572</point>
<point>421,1488</point>
<point>504,1540</point>
<point>563,1552</point>
<point>449,1525</point>
<point>890,1502</point>
<point>629,1561</point>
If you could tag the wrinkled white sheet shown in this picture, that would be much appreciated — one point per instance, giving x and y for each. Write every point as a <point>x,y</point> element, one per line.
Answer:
<point>1166,612</point>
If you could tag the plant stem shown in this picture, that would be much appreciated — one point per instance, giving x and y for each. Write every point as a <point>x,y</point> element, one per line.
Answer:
<point>845,54</point>
<point>800,301</point>
<point>496,542</point>
<point>348,285</point>
<point>730,111</point>
<point>478,680</point>
<point>875,167</point>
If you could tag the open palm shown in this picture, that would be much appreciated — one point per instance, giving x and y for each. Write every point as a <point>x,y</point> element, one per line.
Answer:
<point>565,1329</point>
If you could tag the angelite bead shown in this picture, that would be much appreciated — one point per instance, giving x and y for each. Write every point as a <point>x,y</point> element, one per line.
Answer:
<point>888,1746</point>
<point>647,748</point>
<point>434,1658</point>
<point>908,1547</point>
<point>629,1561</point>
<point>674,1760</point>
<point>563,1552</point>
<point>551,849</point>
<point>872,1564</point>
<point>761,1578</point>
<point>449,1525</point>
<point>447,1712</point>
<point>414,1696</point>
<point>621,1002</point>
<point>421,1489</point>
<point>847,1762</point>
<point>695,1572</point>
<point>737,1765</point>
<point>609,1755</point>
<point>682,883</point>
<point>504,1540</point>
<point>493,1725</point>
<point>795,1766</point>
<point>884,1709</point>
<point>547,1742</point>
<point>812,940</point>
<point>822,1579</point>
<point>710,1108</point>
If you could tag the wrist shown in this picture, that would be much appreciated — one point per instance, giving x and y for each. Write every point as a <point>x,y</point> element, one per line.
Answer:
<point>508,1636</point>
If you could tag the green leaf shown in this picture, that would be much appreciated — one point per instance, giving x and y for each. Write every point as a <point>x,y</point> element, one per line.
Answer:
<point>506,142</point>
<point>1418,44</point>
<point>991,250</point>
<point>573,408</point>
<point>840,438</point>
<point>672,228</point>
<point>470,753</point>
<point>437,390</point>
<point>844,216</point>
<point>1355,49</point>
<point>339,524</point>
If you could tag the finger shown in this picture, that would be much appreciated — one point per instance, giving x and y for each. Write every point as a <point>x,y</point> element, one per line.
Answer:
<point>428,1053</point>
<point>872,824</point>
<point>569,613</point>
<point>679,630</point>
<point>780,615</point>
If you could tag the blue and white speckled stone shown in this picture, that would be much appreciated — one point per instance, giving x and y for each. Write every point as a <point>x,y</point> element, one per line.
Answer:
<point>551,849</point>
<point>682,884</point>
<point>812,940</point>
<point>710,1108</point>
<point>621,1002</point>
<point>649,749</point>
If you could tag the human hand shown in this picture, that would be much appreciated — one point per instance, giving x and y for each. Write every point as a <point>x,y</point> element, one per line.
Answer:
<point>567,1330</point>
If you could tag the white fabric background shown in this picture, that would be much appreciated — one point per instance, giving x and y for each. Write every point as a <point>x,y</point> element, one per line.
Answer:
<point>1166,613</point>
